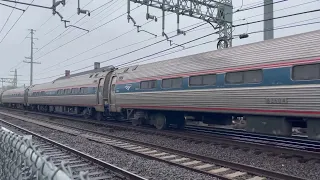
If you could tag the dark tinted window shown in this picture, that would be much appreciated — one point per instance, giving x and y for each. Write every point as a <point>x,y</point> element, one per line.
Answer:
<point>84,90</point>
<point>306,72</point>
<point>172,83</point>
<point>148,84</point>
<point>202,80</point>
<point>251,76</point>
<point>254,76</point>
<point>234,78</point>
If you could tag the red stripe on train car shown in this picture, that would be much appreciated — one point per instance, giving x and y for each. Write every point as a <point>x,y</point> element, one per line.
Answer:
<point>223,109</point>
<point>261,66</point>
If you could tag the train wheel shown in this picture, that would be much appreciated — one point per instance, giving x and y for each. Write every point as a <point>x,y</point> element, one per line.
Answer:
<point>160,121</point>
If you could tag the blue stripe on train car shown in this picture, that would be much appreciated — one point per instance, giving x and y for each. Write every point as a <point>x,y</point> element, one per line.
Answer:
<point>271,77</point>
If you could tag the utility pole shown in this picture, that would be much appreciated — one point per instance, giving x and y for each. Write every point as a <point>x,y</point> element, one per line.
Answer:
<point>268,24</point>
<point>31,57</point>
<point>15,78</point>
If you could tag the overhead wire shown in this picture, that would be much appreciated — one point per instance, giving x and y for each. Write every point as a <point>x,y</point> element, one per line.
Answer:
<point>84,34</point>
<point>66,29</point>
<point>95,15</point>
<point>289,7</point>
<point>16,22</point>
<point>277,28</point>
<point>101,44</point>
<point>8,18</point>
<point>280,17</point>
<point>104,53</point>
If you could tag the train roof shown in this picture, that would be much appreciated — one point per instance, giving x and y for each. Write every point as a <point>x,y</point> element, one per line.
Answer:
<point>89,72</point>
<point>14,91</point>
<point>292,47</point>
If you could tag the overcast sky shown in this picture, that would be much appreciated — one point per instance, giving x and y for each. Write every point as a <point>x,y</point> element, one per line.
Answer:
<point>14,47</point>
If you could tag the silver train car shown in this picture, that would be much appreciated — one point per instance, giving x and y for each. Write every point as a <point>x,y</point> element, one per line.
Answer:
<point>13,98</point>
<point>274,84</point>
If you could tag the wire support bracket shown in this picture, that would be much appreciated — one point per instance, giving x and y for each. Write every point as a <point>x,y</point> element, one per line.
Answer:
<point>139,27</point>
<point>217,12</point>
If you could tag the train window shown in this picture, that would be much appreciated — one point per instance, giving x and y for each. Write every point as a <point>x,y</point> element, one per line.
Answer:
<point>234,78</point>
<point>96,75</point>
<point>84,90</point>
<point>254,76</point>
<point>166,83</point>
<point>203,80</point>
<point>176,82</point>
<point>67,91</point>
<point>306,72</point>
<point>251,76</point>
<point>91,76</point>
<point>172,83</point>
<point>74,91</point>
<point>148,84</point>
<point>195,80</point>
<point>43,93</point>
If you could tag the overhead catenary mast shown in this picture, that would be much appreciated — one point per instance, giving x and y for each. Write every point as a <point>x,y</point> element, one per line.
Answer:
<point>268,20</point>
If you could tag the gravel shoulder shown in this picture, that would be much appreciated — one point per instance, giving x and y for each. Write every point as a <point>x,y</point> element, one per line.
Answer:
<point>150,169</point>
<point>309,170</point>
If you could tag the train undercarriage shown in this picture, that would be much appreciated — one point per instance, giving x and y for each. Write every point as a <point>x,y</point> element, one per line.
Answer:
<point>161,120</point>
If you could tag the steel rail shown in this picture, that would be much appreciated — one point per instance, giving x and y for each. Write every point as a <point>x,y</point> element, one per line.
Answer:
<point>232,165</point>
<point>117,170</point>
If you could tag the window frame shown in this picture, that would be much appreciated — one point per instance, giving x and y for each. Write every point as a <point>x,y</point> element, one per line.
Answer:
<point>149,81</point>
<point>202,85</point>
<point>243,77</point>
<point>292,71</point>
<point>171,81</point>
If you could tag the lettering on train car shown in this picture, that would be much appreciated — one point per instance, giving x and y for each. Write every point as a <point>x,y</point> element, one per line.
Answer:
<point>276,101</point>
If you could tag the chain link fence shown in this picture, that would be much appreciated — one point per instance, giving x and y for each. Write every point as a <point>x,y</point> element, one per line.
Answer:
<point>21,160</point>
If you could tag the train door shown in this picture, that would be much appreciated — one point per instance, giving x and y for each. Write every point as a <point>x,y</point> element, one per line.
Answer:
<point>99,92</point>
<point>112,98</point>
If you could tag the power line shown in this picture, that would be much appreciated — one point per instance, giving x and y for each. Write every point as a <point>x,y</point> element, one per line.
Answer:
<point>280,17</point>
<point>258,6</point>
<point>278,28</point>
<point>190,47</point>
<point>289,7</point>
<point>101,6</point>
<point>51,17</point>
<point>130,52</point>
<point>82,35</point>
<point>16,22</point>
<point>62,32</point>
<point>8,18</point>
<point>91,18</point>
<point>100,45</point>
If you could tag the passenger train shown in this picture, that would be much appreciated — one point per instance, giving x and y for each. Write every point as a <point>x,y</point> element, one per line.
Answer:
<point>274,84</point>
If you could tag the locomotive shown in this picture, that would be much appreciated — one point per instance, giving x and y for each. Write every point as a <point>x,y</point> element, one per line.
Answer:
<point>274,84</point>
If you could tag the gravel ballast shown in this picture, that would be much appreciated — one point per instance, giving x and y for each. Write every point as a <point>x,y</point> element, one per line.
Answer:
<point>147,168</point>
<point>309,170</point>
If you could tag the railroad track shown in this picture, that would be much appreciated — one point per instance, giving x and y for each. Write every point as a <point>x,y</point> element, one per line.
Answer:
<point>284,147</point>
<point>210,166</point>
<point>77,161</point>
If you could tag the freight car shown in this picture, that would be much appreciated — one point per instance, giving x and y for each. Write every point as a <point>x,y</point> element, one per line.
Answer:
<point>274,84</point>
